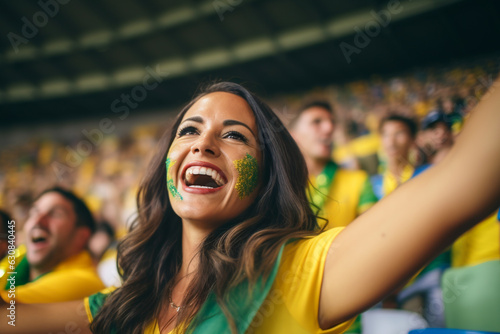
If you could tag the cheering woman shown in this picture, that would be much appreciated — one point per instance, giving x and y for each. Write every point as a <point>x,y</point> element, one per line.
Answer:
<point>225,240</point>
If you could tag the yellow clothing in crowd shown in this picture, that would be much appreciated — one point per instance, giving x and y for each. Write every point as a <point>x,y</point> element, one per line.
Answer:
<point>478,245</point>
<point>391,181</point>
<point>292,305</point>
<point>72,279</point>
<point>349,195</point>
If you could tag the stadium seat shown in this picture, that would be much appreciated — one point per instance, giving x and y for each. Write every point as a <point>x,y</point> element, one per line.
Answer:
<point>446,331</point>
<point>389,321</point>
<point>472,297</point>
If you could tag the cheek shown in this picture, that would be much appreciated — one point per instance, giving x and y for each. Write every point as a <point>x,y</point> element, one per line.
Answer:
<point>171,166</point>
<point>248,175</point>
<point>402,141</point>
<point>28,225</point>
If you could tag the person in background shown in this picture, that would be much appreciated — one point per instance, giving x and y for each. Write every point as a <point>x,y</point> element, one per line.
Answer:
<point>398,135</point>
<point>423,293</point>
<point>397,138</point>
<point>453,107</point>
<point>479,244</point>
<point>340,195</point>
<point>4,228</point>
<point>438,131</point>
<point>54,264</point>
<point>476,246</point>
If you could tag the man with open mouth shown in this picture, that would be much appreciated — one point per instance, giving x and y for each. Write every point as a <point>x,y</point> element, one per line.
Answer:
<point>340,194</point>
<point>54,264</point>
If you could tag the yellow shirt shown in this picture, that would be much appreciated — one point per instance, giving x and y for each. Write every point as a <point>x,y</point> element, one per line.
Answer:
<point>349,196</point>
<point>391,182</point>
<point>291,306</point>
<point>72,279</point>
<point>359,147</point>
<point>478,245</point>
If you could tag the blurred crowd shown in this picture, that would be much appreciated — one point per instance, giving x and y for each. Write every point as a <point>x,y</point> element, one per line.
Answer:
<point>106,175</point>
<point>106,178</point>
<point>360,105</point>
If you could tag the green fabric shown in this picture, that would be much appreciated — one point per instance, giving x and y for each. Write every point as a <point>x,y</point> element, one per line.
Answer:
<point>323,182</point>
<point>367,195</point>
<point>96,301</point>
<point>355,328</point>
<point>22,275</point>
<point>243,306</point>
<point>442,261</point>
<point>210,318</point>
<point>471,297</point>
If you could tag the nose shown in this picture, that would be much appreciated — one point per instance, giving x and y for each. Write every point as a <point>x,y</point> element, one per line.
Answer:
<point>38,219</point>
<point>206,145</point>
<point>41,219</point>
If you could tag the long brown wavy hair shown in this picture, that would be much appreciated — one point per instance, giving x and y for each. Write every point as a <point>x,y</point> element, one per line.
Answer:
<point>244,248</point>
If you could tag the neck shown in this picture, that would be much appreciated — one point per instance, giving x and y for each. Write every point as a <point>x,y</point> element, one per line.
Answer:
<point>34,273</point>
<point>48,266</point>
<point>397,165</point>
<point>315,166</point>
<point>192,238</point>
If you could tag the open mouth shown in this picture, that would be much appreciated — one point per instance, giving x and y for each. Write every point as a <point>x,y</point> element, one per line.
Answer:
<point>203,177</point>
<point>39,237</point>
<point>38,240</point>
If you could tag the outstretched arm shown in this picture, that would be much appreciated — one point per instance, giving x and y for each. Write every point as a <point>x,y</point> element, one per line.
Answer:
<point>390,242</point>
<point>68,317</point>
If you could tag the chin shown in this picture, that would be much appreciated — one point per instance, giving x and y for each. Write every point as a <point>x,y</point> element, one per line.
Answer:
<point>322,155</point>
<point>193,214</point>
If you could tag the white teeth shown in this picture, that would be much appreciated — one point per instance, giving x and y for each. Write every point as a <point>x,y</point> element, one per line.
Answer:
<point>204,171</point>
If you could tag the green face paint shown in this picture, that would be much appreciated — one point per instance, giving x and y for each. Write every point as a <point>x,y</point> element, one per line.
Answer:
<point>170,183</point>
<point>248,177</point>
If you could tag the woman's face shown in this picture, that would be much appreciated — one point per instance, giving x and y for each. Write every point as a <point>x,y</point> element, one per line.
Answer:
<point>213,165</point>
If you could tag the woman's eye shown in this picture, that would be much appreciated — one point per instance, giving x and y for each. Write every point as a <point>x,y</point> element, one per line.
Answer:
<point>188,130</point>
<point>236,135</point>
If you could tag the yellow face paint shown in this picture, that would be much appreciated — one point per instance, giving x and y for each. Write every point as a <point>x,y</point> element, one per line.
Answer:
<point>170,183</point>
<point>248,175</point>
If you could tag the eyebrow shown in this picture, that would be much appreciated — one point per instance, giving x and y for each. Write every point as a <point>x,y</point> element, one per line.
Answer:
<point>196,119</point>
<point>55,207</point>
<point>227,122</point>
<point>234,122</point>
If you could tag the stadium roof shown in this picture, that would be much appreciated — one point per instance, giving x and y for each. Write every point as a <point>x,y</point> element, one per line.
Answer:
<point>68,58</point>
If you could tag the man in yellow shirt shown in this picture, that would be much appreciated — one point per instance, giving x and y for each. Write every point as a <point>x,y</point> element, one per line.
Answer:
<point>397,137</point>
<point>341,195</point>
<point>54,265</point>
